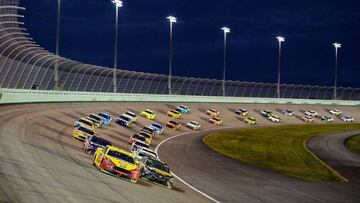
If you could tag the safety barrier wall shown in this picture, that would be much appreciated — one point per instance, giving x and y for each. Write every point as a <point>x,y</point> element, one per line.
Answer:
<point>9,96</point>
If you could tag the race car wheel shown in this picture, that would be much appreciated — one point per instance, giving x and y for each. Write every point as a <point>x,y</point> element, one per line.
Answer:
<point>168,184</point>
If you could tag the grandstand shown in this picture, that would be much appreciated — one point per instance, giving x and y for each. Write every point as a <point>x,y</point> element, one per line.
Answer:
<point>26,65</point>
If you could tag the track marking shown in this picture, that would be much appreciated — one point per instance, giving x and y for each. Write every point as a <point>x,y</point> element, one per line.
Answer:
<point>181,180</point>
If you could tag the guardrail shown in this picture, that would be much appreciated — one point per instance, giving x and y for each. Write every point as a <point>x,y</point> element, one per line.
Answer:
<point>15,96</point>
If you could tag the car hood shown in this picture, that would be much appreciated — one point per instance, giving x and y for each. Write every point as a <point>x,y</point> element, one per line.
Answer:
<point>122,164</point>
<point>161,172</point>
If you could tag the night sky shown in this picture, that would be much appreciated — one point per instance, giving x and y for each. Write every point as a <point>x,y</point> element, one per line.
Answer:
<point>310,28</point>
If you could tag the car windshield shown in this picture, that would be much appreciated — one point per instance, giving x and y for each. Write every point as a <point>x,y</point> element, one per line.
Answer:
<point>94,117</point>
<point>252,119</point>
<point>100,141</point>
<point>173,122</point>
<point>121,156</point>
<point>85,122</point>
<point>124,118</point>
<point>139,137</point>
<point>130,114</point>
<point>194,123</point>
<point>157,126</point>
<point>149,112</point>
<point>148,129</point>
<point>142,144</point>
<point>145,135</point>
<point>142,154</point>
<point>104,115</point>
<point>158,165</point>
<point>183,107</point>
<point>85,130</point>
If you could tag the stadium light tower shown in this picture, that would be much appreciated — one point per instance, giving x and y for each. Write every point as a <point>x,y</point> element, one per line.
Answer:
<point>337,46</point>
<point>172,20</point>
<point>226,31</point>
<point>118,4</point>
<point>280,40</point>
<point>56,69</point>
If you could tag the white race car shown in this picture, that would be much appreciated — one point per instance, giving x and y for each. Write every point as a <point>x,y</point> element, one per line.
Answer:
<point>335,112</point>
<point>142,152</point>
<point>274,118</point>
<point>347,118</point>
<point>131,115</point>
<point>311,113</point>
<point>193,125</point>
<point>266,113</point>
<point>327,119</point>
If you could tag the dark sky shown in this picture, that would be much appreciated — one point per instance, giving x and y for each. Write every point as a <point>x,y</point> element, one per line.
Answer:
<point>310,28</point>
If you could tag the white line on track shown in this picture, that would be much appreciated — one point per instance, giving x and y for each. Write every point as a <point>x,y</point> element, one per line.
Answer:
<point>183,181</point>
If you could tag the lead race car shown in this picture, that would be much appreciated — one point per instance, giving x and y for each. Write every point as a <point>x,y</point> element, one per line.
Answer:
<point>117,162</point>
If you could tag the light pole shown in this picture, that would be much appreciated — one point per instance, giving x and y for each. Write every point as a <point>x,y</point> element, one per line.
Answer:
<point>226,31</point>
<point>337,46</point>
<point>56,69</point>
<point>118,4</point>
<point>172,20</point>
<point>280,40</point>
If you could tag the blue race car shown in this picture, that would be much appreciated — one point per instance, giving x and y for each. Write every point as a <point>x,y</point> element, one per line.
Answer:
<point>183,109</point>
<point>94,142</point>
<point>106,118</point>
<point>158,128</point>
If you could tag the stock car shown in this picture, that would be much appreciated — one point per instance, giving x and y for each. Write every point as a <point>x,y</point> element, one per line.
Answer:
<point>131,115</point>
<point>85,122</point>
<point>156,171</point>
<point>212,112</point>
<point>135,138</point>
<point>140,153</point>
<point>311,113</point>
<point>335,112</point>
<point>159,129</point>
<point>149,130</point>
<point>148,137</point>
<point>242,112</point>
<point>138,145</point>
<point>347,118</point>
<point>97,120</point>
<point>193,125</point>
<point>148,114</point>
<point>93,142</point>
<point>82,132</point>
<point>266,113</point>
<point>307,119</point>
<point>250,120</point>
<point>117,162</point>
<point>183,109</point>
<point>288,112</point>
<point>106,118</point>
<point>174,114</point>
<point>327,119</point>
<point>215,121</point>
<point>173,125</point>
<point>274,118</point>
<point>124,121</point>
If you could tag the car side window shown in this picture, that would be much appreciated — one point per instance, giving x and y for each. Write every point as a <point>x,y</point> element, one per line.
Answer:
<point>105,149</point>
<point>144,159</point>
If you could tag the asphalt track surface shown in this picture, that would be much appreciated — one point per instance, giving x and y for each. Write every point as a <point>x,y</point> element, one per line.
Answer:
<point>40,162</point>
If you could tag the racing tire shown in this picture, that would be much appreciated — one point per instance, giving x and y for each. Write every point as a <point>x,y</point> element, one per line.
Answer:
<point>168,184</point>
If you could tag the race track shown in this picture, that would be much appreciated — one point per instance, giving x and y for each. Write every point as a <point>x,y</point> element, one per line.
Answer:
<point>40,162</point>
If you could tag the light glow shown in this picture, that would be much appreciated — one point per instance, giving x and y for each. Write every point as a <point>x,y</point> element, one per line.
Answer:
<point>118,3</point>
<point>337,45</point>
<point>226,29</point>
<point>280,39</point>
<point>172,19</point>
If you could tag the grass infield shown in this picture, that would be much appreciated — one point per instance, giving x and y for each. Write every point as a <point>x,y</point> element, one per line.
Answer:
<point>280,149</point>
<point>353,144</point>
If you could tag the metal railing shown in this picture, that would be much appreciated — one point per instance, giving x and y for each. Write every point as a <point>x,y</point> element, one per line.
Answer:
<point>25,65</point>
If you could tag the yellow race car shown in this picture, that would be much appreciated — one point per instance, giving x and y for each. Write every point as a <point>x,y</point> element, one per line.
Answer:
<point>148,114</point>
<point>82,132</point>
<point>173,125</point>
<point>250,120</point>
<point>174,114</point>
<point>117,162</point>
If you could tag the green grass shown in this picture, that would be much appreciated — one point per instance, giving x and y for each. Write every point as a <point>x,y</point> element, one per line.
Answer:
<point>281,149</point>
<point>354,144</point>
